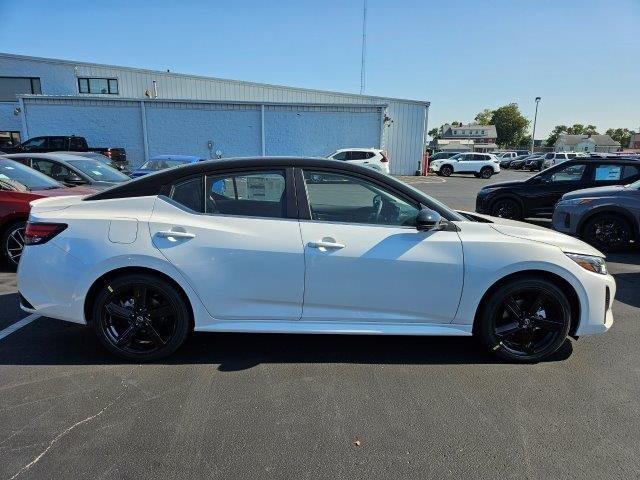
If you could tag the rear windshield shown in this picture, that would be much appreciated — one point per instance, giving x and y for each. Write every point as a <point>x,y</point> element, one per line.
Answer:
<point>30,178</point>
<point>155,165</point>
<point>98,171</point>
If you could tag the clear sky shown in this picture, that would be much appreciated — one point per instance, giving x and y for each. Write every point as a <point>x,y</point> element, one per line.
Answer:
<point>581,56</point>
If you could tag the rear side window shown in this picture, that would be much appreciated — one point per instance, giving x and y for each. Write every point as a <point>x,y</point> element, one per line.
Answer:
<point>57,143</point>
<point>190,193</point>
<point>608,173</point>
<point>251,194</point>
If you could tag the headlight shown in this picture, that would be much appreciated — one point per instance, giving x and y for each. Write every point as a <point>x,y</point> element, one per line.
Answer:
<point>577,201</point>
<point>589,262</point>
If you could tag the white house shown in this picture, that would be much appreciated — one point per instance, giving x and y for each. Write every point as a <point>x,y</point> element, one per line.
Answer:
<point>586,143</point>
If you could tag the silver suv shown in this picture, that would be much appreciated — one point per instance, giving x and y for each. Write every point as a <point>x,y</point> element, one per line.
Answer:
<point>553,158</point>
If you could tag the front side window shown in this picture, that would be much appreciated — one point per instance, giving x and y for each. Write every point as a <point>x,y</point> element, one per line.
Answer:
<point>570,173</point>
<point>38,142</point>
<point>630,172</point>
<point>335,197</point>
<point>250,194</point>
<point>98,85</point>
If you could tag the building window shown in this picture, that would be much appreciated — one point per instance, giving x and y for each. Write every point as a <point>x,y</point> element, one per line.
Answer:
<point>10,87</point>
<point>98,85</point>
<point>9,139</point>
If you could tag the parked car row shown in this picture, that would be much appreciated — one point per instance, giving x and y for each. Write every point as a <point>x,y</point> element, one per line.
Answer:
<point>601,214</point>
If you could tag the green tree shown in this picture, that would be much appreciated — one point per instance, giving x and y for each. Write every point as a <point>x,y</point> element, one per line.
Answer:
<point>511,125</point>
<point>435,133</point>
<point>484,117</point>
<point>525,142</point>
<point>622,135</point>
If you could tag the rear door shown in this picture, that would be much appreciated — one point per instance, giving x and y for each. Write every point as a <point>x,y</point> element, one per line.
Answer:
<point>235,237</point>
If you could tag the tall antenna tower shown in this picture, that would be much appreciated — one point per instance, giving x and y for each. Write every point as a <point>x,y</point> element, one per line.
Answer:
<point>364,47</point>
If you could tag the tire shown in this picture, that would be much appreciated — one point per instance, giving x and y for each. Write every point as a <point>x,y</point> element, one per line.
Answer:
<point>486,172</point>
<point>506,208</point>
<point>526,320</point>
<point>608,232</point>
<point>140,317</point>
<point>446,170</point>
<point>12,241</point>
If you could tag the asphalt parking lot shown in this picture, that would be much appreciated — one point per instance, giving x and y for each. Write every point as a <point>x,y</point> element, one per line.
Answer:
<point>302,406</point>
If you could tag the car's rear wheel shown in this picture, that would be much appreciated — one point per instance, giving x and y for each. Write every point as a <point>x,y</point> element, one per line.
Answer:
<point>506,208</point>
<point>446,170</point>
<point>525,321</point>
<point>608,232</point>
<point>13,243</point>
<point>486,172</point>
<point>140,317</point>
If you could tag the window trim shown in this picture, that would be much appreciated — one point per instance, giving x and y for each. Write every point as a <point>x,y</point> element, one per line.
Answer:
<point>89,92</point>
<point>305,209</point>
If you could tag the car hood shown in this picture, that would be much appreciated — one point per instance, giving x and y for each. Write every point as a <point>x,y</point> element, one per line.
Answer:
<point>594,192</point>
<point>511,183</point>
<point>539,234</point>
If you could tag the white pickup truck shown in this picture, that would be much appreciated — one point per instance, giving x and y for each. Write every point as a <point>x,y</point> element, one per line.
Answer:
<point>482,165</point>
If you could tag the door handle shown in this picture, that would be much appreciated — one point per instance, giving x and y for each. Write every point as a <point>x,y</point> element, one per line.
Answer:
<point>328,245</point>
<point>174,234</point>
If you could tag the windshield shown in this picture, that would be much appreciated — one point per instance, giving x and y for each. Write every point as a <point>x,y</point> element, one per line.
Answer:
<point>28,177</point>
<point>155,165</point>
<point>98,171</point>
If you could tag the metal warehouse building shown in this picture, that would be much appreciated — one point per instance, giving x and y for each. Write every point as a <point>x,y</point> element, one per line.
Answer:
<point>152,112</point>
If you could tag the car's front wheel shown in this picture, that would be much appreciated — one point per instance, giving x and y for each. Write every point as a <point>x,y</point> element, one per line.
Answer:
<point>13,243</point>
<point>140,317</point>
<point>525,320</point>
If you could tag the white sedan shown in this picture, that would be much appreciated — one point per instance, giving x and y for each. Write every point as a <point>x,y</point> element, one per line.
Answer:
<point>482,165</point>
<point>285,245</point>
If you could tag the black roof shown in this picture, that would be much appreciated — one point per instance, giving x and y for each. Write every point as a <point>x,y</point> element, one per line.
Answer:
<point>152,184</point>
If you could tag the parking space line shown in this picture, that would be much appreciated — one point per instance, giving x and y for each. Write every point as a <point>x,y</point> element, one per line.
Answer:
<point>18,325</point>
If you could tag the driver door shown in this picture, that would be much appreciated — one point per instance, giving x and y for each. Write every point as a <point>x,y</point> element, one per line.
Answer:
<point>366,262</point>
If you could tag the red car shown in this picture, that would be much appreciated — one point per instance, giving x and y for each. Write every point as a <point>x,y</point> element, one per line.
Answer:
<point>19,185</point>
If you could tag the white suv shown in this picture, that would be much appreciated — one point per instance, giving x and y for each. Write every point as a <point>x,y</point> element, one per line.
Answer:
<point>482,165</point>
<point>553,158</point>
<point>368,157</point>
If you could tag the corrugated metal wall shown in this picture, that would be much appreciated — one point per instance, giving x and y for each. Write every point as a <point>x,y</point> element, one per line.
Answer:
<point>186,127</point>
<point>403,134</point>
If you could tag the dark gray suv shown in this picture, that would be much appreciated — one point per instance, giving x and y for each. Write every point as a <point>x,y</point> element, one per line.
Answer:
<point>606,217</point>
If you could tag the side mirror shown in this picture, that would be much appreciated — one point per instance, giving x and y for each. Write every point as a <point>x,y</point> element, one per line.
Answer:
<point>428,219</point>
<point>74,179</point>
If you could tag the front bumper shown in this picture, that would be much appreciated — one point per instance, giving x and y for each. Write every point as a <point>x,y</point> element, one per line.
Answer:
<point>566,218</point>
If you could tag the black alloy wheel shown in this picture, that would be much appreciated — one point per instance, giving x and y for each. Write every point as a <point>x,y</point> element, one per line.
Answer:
<point>486,173</point>
<point>608,232</point>
<point>140,317</point>
<point>446,170</point>
<point>506,208</point>
<point>527,320</point>
<point>13,243</point>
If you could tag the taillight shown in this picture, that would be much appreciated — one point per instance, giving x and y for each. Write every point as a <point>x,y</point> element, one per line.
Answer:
<point>39,233</point>
<point>108,153</point>
<point>384,158</point>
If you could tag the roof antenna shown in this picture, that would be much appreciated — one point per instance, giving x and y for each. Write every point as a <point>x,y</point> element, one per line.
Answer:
<point>364,47</point>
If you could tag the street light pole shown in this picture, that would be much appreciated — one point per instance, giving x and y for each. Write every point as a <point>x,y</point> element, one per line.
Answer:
<point>535,119</point>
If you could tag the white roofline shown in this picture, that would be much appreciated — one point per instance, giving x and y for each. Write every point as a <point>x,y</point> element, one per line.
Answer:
<point>187,100</point>
<point>241,82</point>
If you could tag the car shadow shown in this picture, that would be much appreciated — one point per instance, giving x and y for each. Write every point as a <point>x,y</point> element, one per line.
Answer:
<point>51,342</point>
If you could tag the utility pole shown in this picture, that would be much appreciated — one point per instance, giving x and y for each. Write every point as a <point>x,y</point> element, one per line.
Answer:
<point>535,119</point>
<point>364,47</point>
